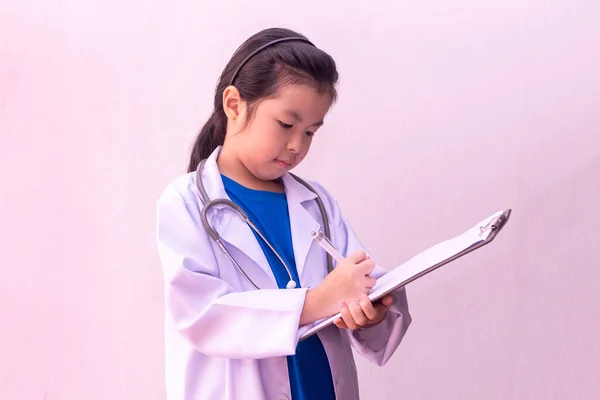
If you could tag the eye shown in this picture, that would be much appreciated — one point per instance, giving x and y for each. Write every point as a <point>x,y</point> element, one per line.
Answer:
<point>309,133</point>
<point>284,125</point>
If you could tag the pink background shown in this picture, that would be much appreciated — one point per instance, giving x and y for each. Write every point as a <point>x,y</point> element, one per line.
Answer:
<point>449,111</point>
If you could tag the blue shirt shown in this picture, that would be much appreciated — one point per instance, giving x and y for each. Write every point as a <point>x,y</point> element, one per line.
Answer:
<point>309,372</point>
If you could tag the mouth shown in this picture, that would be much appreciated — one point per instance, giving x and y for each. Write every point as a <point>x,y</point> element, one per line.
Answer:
<point>284,163</point>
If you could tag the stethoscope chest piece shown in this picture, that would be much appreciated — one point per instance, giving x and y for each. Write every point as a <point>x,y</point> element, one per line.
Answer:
<point>291,285</point>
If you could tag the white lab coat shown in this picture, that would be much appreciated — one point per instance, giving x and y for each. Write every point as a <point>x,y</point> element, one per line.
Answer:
<point>226,340</point>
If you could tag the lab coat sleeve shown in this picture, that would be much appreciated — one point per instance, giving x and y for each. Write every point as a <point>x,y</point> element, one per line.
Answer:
<point>376,343</point>
<point>205,310</point>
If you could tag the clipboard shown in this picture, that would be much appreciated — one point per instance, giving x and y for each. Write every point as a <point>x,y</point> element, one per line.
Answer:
<point>425,262</point>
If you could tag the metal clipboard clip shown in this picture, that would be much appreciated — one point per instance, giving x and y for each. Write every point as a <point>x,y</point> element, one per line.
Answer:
<point>495,224</point>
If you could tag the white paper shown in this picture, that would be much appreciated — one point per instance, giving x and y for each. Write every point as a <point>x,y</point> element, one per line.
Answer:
<point>417,265</point>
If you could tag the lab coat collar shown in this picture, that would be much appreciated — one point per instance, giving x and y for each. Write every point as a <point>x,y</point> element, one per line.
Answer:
<point>236,232</point>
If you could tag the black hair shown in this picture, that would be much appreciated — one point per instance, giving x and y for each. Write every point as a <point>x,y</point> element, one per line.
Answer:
<point>261,76</point>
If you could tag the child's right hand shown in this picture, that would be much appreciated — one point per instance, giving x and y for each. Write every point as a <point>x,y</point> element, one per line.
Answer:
<point>348,282</point>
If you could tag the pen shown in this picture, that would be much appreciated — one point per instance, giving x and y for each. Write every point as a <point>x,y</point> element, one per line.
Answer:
<point>320,238</point>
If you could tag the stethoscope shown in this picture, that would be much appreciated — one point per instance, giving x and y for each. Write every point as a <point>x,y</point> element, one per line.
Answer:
<point>208,203</point>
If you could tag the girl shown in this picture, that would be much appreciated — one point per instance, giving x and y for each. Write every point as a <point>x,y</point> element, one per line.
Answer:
<point>224,338</point>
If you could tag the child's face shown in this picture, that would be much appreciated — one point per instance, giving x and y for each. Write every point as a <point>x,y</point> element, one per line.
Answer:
<point>280,132</point>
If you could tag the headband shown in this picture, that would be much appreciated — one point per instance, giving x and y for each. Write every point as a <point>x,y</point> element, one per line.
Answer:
<point>264,46</point>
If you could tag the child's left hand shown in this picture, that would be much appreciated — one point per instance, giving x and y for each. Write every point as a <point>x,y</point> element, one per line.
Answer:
<point>363,314</point>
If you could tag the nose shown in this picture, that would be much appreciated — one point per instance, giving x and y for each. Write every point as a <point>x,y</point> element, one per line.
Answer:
<point>295,143</point>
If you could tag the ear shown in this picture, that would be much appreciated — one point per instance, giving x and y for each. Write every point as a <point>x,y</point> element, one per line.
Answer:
<point>233,105</point>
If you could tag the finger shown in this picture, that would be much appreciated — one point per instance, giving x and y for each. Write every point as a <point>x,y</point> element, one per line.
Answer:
<point>387,300</point>
<point>368,308</point>
<point>369,281</point>
<point>340,323</point>
<point>358,315</point>
<point>381,311</point>
<point>347,318</point>
<point>358,256</point>
<point>367,266</point>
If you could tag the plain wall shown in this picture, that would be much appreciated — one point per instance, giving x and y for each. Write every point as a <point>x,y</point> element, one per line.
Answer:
<point>448,112</point>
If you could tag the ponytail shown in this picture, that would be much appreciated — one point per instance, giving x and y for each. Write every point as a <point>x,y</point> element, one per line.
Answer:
<point>211,136</point>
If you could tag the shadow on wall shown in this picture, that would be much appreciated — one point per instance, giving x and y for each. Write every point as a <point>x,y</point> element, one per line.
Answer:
<point>557,278</point>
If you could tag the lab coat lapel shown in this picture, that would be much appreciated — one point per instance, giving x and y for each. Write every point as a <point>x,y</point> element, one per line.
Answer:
<point>237,233</point>
<point>230,226</point>
<point>301,221</point>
